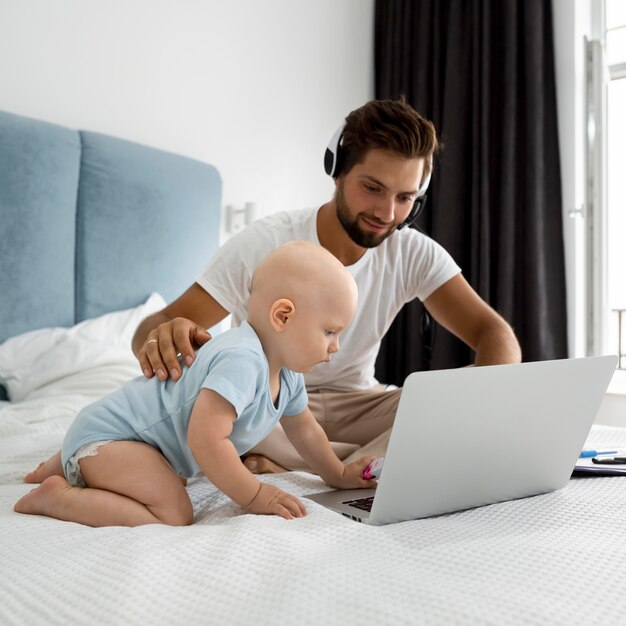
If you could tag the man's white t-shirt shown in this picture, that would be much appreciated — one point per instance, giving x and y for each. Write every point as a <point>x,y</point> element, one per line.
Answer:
<point>407,265</point>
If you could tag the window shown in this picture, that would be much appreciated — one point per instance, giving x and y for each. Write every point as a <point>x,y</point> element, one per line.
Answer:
<point>605,196</point>
<point>615,73</point>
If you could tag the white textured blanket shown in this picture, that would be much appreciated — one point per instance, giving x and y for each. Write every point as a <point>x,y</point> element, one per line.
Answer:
<point>554,559</point>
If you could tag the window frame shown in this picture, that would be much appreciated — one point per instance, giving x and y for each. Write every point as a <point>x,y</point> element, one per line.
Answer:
<point>598,315</point>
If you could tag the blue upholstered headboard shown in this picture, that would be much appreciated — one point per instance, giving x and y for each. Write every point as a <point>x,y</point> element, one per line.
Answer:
<point>91,224</point>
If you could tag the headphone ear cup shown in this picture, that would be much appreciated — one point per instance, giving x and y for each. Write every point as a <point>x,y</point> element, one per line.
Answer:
<point>329,162</point>
<point>424,188</point>
<point>333,153</point>
<point>418,206</point>
<point>420,201</point>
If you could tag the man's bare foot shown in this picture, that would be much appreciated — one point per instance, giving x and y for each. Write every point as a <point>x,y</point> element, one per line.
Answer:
<point>259,464</point>
<point>38,501</point>
<point>51,467</point>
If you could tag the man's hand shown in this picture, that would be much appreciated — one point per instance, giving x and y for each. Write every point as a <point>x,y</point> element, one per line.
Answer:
<point>159,353</point>
<point>271,500</point>
<point>162,336</point>
<point>352,477</point>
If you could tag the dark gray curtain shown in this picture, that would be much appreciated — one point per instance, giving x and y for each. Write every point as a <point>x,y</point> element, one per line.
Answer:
<point>483,72</point>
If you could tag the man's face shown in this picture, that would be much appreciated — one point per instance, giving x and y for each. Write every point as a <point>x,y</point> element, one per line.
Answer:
<point>375,196</point>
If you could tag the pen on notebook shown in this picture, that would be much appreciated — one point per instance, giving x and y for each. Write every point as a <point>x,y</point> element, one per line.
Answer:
<point>610,460</point>
<point>585,454</point>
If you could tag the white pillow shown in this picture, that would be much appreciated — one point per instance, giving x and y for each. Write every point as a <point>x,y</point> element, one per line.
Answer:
<point>40,357</point>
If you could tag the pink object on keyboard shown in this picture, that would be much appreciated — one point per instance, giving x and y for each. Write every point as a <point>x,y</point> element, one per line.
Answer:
<point>372,471</point>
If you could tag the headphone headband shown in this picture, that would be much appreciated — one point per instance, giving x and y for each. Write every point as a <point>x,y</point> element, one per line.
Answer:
<point>332,158</point>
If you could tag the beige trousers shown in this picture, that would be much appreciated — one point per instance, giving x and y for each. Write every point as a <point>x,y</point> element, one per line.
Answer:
<point>358,423</point>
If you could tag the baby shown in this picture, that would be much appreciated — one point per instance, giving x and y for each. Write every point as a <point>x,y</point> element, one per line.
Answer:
<point>126,456</point>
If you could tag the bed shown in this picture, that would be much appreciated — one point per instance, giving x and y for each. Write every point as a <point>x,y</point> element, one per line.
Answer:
<point>91,242</point>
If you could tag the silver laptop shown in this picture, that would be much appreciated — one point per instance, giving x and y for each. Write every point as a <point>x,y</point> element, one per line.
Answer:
<point>467,437</point>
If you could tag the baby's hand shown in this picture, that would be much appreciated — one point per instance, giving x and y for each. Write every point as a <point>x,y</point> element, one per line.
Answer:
<point>271,500</point>
<point>353,475</point>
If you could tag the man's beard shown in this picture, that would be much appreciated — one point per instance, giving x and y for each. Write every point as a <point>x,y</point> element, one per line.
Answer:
<point>351,226</point>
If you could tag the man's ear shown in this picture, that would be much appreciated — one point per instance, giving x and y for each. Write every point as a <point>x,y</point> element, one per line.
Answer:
<point>281,312</point>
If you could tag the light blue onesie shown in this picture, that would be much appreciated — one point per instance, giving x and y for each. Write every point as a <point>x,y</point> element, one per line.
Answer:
<point>232,364</point>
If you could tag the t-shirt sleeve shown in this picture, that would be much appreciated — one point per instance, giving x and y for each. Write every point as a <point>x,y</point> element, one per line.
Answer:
<point>298,399</point>
<point>228,275</point>
<point>430,266</point>
<point>237,376</point>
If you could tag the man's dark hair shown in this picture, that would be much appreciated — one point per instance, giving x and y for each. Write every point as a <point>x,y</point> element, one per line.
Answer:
<point>392,125</point>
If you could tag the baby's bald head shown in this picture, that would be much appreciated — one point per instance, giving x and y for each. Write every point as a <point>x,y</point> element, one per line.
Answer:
<point>302,283</point>
<point>300,270</point>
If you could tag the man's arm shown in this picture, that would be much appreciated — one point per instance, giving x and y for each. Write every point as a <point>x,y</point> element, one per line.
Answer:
<point>459,309</point>
<point>210,425</point>
<point>311,442</point>
<point>180,328</point>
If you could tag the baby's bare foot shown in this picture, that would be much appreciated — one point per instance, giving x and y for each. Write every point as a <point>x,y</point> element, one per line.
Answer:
<point>51,467</point>
<point>38,501</point>
<point>259,464</point>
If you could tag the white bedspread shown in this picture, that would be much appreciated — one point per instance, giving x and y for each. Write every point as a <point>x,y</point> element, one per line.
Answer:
<point>554,559</point>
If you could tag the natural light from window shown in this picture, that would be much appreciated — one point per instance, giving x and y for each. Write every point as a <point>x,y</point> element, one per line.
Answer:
<point>616,174</point>
<point>616,198</point>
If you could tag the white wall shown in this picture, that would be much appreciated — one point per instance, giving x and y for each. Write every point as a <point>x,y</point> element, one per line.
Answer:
<point>255,87</point>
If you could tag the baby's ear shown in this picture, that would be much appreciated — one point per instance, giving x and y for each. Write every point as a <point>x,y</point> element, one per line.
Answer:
<point>281,312</point>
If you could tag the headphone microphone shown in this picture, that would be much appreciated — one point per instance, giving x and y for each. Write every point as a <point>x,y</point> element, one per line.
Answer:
<point>332,166</point>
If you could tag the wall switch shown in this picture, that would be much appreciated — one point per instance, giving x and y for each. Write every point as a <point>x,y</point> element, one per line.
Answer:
<point>237,218</point>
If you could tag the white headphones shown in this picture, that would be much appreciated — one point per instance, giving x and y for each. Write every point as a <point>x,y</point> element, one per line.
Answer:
<point>332,158</point>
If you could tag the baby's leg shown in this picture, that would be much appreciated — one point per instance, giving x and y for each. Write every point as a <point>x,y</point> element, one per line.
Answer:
<point>54,467</point>
<point>51,467</point>
<point>129,484</point>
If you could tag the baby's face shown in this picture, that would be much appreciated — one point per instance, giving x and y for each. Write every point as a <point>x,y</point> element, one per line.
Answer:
<point>314,334</point>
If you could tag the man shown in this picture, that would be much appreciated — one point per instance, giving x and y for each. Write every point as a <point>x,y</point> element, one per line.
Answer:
<point>381,162</point>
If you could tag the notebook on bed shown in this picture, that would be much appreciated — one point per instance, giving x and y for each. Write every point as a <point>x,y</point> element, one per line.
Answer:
<point>467,437</point>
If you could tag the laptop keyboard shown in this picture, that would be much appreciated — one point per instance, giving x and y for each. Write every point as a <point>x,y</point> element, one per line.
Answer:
<point>365,504</point>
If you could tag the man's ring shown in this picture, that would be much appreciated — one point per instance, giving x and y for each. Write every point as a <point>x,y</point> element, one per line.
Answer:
<point>152,341</point>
